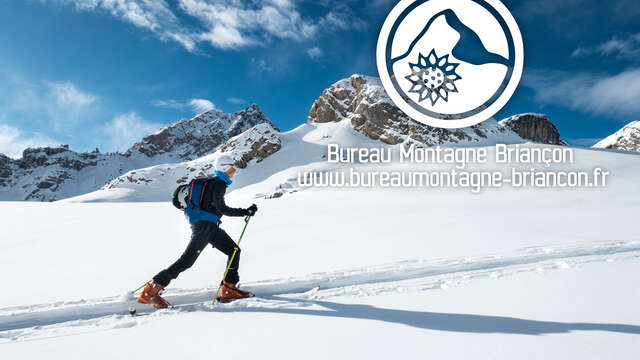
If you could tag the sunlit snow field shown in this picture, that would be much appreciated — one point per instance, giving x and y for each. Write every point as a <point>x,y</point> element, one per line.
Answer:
<point>339,273</point>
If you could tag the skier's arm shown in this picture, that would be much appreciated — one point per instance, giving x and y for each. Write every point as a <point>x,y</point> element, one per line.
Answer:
<point>218,203</point>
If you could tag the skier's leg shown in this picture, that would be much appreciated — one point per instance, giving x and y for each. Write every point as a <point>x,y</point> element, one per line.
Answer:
<point>223,242</point>
<point>201,232</point>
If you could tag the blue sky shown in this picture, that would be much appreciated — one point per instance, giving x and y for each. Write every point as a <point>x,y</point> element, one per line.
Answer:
<point>103,73</point>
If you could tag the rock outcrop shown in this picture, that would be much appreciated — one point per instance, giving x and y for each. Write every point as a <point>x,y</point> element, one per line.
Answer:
<point>189,139</point>
<point>627,139</point>
<point>534,127</point>
<point>256,144</point>
<point>363,101</point>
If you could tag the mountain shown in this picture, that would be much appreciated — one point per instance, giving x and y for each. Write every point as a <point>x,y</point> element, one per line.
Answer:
<point>362,101</point>
<point>354,112</point>
<point>53,173</point>
<point>627,138</point>
<point>534,127</point>
<point>189,139</point>
<point>156,183</point>
<point>468,47</point>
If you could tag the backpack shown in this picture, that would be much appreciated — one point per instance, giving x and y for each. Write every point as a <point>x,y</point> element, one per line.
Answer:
<point>188,197</point>
<point>190,194</point>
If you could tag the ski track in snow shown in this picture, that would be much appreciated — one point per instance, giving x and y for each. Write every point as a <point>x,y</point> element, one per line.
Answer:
<point>61,318</point>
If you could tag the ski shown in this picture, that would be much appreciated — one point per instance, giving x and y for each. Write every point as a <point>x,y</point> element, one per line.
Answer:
<point>134,311</point>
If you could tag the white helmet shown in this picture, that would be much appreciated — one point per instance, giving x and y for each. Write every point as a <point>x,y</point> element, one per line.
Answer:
<point>224,162</point>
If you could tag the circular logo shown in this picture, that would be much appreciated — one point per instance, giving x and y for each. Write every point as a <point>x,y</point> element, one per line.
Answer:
<point>450,63</point>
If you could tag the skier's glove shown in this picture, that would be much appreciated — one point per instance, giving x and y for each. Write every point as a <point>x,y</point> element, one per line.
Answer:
<point>252,209</point>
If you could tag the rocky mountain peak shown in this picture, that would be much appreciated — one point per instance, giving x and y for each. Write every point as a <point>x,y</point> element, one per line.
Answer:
<point>192,138</point>
<point>534,127</point>
<point>251,146</point>
<point>363,102</point>
<point>627,138</point>
<point>60,155</point>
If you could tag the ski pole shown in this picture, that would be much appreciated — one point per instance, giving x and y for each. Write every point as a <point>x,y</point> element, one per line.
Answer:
<point>141,286</point>
<point>246,222</point>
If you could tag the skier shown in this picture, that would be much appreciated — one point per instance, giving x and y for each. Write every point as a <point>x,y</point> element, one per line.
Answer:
<point>205,229</point>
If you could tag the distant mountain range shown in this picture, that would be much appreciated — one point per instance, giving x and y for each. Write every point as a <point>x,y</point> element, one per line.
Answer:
<point>48,174</point>
<point>359,108</point>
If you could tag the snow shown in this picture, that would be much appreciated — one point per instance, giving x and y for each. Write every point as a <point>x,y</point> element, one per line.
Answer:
<point>375,273</point>
<point>340,273</point>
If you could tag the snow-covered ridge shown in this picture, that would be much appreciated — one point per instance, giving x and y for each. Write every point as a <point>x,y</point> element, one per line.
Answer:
<point>627,138</point>
<point>156,183</point>
<point>54,173</point>
<point>51,173</point>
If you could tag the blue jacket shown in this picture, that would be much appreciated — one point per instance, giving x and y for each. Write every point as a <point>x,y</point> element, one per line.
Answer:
<point>212,206</point>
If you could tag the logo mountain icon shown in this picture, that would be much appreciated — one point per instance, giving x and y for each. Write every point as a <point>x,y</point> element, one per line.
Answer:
<point>469,47</point>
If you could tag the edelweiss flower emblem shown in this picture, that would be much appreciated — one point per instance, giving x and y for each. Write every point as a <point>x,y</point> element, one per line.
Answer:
<point>433,77</point>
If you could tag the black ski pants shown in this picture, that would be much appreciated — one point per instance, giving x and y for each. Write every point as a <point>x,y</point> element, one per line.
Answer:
<point>203,233</point>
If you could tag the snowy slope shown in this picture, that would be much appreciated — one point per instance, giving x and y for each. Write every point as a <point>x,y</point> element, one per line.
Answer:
<point>627,138</point>
<point>374,273</point>
<point>340,273</point>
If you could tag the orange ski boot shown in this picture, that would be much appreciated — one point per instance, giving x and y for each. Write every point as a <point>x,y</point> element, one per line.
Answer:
<point>230,292</point>
<point>151,295</point>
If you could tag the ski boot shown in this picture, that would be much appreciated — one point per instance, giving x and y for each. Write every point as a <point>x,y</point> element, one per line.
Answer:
<point>230,292</point>
<point>151,295</point>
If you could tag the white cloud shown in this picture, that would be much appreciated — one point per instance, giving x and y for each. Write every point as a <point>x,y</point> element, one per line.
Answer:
<point>315,53</point>
<point>66,94</point>
<point>261,64</point>
<point>153,15</point>
<point>13,141</point>
<point>125,129</point>
<point>66,104</point>
<point>224,24</point>
<point>201,105</point>
<point>625,48</point>
<point>340,20</point>
<point>171,104</point>
<point>196,105</point>
<point>62,104</point>
<point>233,24</point>
<point>596,94</point>
<point>235,100</point>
